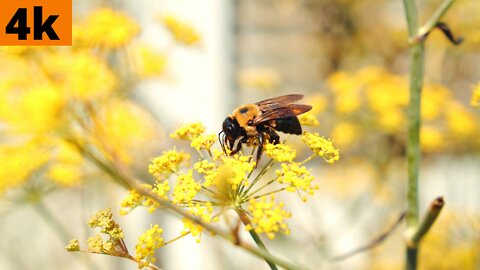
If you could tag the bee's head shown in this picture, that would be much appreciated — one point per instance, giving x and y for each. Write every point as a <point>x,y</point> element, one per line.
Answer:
<point>231,131</point>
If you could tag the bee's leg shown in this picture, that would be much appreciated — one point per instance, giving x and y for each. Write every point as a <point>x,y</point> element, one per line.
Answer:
<point>261,138</point>
<point>237,146</point>
<point>273,137</point>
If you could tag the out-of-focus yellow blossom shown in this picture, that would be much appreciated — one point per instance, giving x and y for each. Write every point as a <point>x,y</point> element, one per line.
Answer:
<point>280,152</point>
<point>95,244</point>
<point>475,100</point>
<point>66,170</point>
<point>435,99</point>
<point>268,217</point>
<point>108,28</point>
<point>185,189</point>
<point>204,141</point>
<point>166,164</point>
<point>38,109</point>
<point>73,245</point>
<point>201,212</point>
<point>148,242</point>
<point>391,121</point>
<point>296,177</point>
<point>318,102</point>
<point>460,122</point>
<point>344,134</point>
<point>262,78</point>
<point>431,139</point>
<point>240,166</point>
<point>308,119</point>
<point>321,146</point>
<point>103,220</point>
<point>188,131</point>
<point>181,31</point>
<point>208,170</point>
<point>123,127</point>
<point>17,162</point>
<point>149,63</point>
<point>130,202</point>
<point>82,74</point>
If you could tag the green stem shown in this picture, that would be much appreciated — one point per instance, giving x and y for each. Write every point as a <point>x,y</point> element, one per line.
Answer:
<point>259,176</point>
<point>246,221</point>
<point>417,67</point>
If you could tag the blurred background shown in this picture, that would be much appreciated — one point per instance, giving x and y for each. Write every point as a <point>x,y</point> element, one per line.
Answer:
<point>139,69</point>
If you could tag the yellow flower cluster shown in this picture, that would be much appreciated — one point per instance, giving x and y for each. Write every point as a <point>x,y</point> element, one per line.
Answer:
<point>148,242</point>
<point>208,170</point>
<point>185,189</point>
<point>239,167</point>
<point>134,199</point>
<point>67,168</point>
<point>73,245</point>
<point>297,177</point>
<point>181,31</point>
<point>268,217</point>
<point>204,142</point>
<point>149,62</point>
<point>308,119</point>
<point>166,164</point>
<point>103,220</point>
<point>96,245</point>
<point>188,131</point>
<point>107,28</point>
<point>321,146</point>
<point>280,152</point>
<point>475,100</point>
<point>201,212</point>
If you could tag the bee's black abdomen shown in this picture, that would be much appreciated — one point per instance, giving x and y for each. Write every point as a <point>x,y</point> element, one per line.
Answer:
<point>289,125</point>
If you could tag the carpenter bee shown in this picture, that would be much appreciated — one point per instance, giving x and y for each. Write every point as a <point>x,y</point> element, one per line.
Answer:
<point>256,124</point>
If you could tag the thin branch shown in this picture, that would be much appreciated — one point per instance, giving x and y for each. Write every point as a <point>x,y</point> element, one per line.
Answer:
<point>435,18</point>
<point>426,223</point>
<point>374,243</point>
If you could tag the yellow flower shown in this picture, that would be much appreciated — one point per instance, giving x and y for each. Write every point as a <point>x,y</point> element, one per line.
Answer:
<point>308,119</point>
<point>149,63</point>
<point>66,170</point>
<point>95,244</point>
<point>82,75</point>
<point>103,220</point>
<point>259,78</point>
<point>344,134</point>
<point>186,188</point>
<point>108,28</point>
<point>188,131</point>
<point>166,164</point>
<point>431,139</point>
<point>73,245</point>
<point>208,170</point>
<point>460,122</point>
<point>17,162</point>
<point>134,199</point>
<point>321,146</point>
<point>204,142</point>
<point>268,217</point>
<point>435,98</point>
<point>43,104</point>
<point>239,167</point>
<point>123,129</point>
<point>475,100</point>
<point>130,202</point>
<point>181,32</point>
<point>148,242</point>
<point>201,212</point>
<point>297,177</point>
<point>391,121</point>
<point>319,103</point>
<point>280,152</point>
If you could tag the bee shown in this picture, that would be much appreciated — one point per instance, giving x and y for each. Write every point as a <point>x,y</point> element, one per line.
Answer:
<point>256,124</point>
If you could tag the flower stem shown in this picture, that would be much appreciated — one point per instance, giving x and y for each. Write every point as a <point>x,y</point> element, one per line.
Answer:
<point>246,221</point>
<point>417,67</point>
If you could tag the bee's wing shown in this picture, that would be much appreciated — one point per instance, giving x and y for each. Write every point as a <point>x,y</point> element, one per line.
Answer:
<point>277,102</point>
<point>285,111</point>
